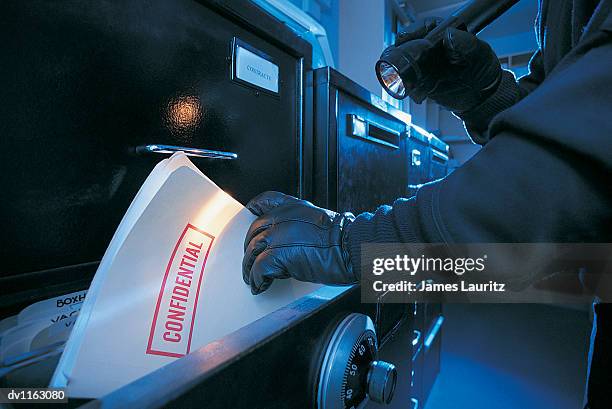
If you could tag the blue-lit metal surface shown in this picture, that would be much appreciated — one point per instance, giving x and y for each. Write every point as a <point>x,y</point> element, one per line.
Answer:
<point>433,333</point>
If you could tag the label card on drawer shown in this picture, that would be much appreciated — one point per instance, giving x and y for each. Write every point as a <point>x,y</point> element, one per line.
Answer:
<point>254,68</point>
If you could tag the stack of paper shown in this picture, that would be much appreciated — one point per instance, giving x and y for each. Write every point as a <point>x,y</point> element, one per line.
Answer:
<point>169,282</point>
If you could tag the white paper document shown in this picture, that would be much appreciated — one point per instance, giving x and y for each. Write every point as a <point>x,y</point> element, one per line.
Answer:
<point>169,283</point>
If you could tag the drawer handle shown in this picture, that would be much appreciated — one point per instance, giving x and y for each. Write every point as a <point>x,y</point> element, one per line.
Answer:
<point>415,157</point>
<point>439,157</point>
<point>196,152</point>
<point>416,338</point>
<point>415,403</point>
<point>371,131</point>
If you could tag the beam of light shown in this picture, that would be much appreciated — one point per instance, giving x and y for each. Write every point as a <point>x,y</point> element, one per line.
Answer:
<point>217,212</point>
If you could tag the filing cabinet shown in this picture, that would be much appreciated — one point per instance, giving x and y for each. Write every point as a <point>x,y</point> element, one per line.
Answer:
<point>91,103</point>
<point>438,164</point>
<point>95,91</point>
<point>428,159</point>
<point>360,145</point>
<point>427,346</point>
<point>418,163</point>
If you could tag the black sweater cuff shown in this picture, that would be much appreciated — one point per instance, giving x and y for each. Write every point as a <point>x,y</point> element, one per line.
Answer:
<point>407,221</point>
<point>477,119</point>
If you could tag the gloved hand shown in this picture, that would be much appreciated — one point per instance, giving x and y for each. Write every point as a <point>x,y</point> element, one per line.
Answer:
<point>462,72</point>
<point>294,238</point>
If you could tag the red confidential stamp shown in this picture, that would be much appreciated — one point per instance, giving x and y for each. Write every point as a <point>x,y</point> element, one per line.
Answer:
<point>177,302</point>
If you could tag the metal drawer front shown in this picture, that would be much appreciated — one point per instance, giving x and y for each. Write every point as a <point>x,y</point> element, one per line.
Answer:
<point>418,165</point>
<point>371,167</point>
<point>88,82</point>
<point>359,145</point>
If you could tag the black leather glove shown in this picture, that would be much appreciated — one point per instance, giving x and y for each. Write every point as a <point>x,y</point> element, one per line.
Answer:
<point>460,72</point>
<point>294,238</point>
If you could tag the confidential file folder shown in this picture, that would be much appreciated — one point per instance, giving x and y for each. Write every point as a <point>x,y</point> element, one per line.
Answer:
<point>169,283</point>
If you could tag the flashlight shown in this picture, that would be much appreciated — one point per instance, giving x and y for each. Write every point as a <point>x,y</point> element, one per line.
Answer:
<point>399,68</point>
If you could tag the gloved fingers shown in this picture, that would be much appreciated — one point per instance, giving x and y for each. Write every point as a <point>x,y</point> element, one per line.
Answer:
<point>460,46</point>
<point>449,89</point>
<point>259,225</point>
<point>460,98</point>
<point>265,269</point>
<point>417,30</point>
<point>253,249</point>
<point>266,201</point>
<point>419,93</point>
<point>294,216</point>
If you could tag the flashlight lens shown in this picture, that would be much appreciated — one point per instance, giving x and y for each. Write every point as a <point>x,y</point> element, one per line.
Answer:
<point>391,80</point>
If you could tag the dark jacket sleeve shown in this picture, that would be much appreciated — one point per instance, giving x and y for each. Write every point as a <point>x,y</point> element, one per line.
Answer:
<point>544,177</point>
<point>508,93</point>
<point>535,77</point>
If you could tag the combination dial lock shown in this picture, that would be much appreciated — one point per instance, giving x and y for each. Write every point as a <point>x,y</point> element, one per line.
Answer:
<point>350,373</point>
